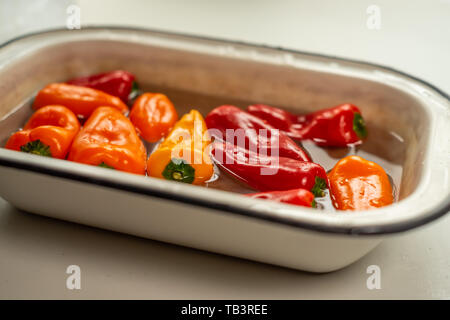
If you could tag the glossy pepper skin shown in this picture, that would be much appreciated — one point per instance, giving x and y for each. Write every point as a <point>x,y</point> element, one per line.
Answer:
<point>81,100</point>
<point>359,184</point>
<point>339,126</point>
<point>267,173</point>
<point>231,117</point>
<point>299,197</point>
<point>117,83</point>
<point>108,139</point>
<point>49,132</point>
<point>153,115</point>
<point>184,154</point>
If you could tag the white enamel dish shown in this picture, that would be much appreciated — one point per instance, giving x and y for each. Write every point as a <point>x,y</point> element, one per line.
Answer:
<point>214,71</point>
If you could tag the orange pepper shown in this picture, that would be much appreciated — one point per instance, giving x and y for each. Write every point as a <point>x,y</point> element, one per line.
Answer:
<point>183,156</point>
<point>359,184</point>
<point>153,115</point>
<point>81,100</point>
<point>48,132</point>
<point>108,139</point>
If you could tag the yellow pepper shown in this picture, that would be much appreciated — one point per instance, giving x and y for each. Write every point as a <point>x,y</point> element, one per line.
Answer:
<point>184,154</point>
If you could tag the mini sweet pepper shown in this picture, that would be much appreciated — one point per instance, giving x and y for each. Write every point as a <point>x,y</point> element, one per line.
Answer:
<point>250,132</point>
<point>49,132</point>
<point>339,126</point>
<point>153,115</point>
<point>108,139</point>
<point>359,184</point>
<point>269,173</point>
<point>299,197</point>
<point>117,83</point>
<point>81,100</point>
<point>184,154</point>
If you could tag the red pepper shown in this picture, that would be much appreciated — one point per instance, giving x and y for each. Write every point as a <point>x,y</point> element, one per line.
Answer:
<point>339,126</point>
<point>269,173</point>
<point>299,197</point>
<point>116,83</point>
<point>272,142</point>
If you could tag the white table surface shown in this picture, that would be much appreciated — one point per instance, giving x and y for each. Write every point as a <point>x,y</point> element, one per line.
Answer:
<point>35,251</point>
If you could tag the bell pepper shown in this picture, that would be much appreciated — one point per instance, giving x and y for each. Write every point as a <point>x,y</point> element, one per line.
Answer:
<point>269,173</point>
<point>339,126</point>
<point>153,115</point>
<point>49,132</point>
<point>184,154</point>
<point>117,83</point>
<point>81,100</point>
<point>359,184</point>
<point>257,135</point>
<point>299,197</point>
<point>108,139</point>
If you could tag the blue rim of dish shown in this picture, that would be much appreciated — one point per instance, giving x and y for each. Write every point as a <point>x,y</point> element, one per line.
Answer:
<point>438,211</point>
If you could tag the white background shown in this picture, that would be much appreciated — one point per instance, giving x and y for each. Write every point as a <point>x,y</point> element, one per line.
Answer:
<point>35,251</point>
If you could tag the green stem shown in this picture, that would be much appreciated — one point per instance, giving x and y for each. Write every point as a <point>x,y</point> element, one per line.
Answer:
<point>36,147</point>
<point>179,170</point>
<point>104,165</point>
<point>359,126</point>
<point>134,91</point>
<point>319,186</point>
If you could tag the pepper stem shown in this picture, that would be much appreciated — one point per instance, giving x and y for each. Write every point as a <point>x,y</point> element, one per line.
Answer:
<point>104,165</point>
<point>319,185</point>
<point>179,170</point>
<point>134,91</point>
<point>359,125</point>
<point>36,147</point>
